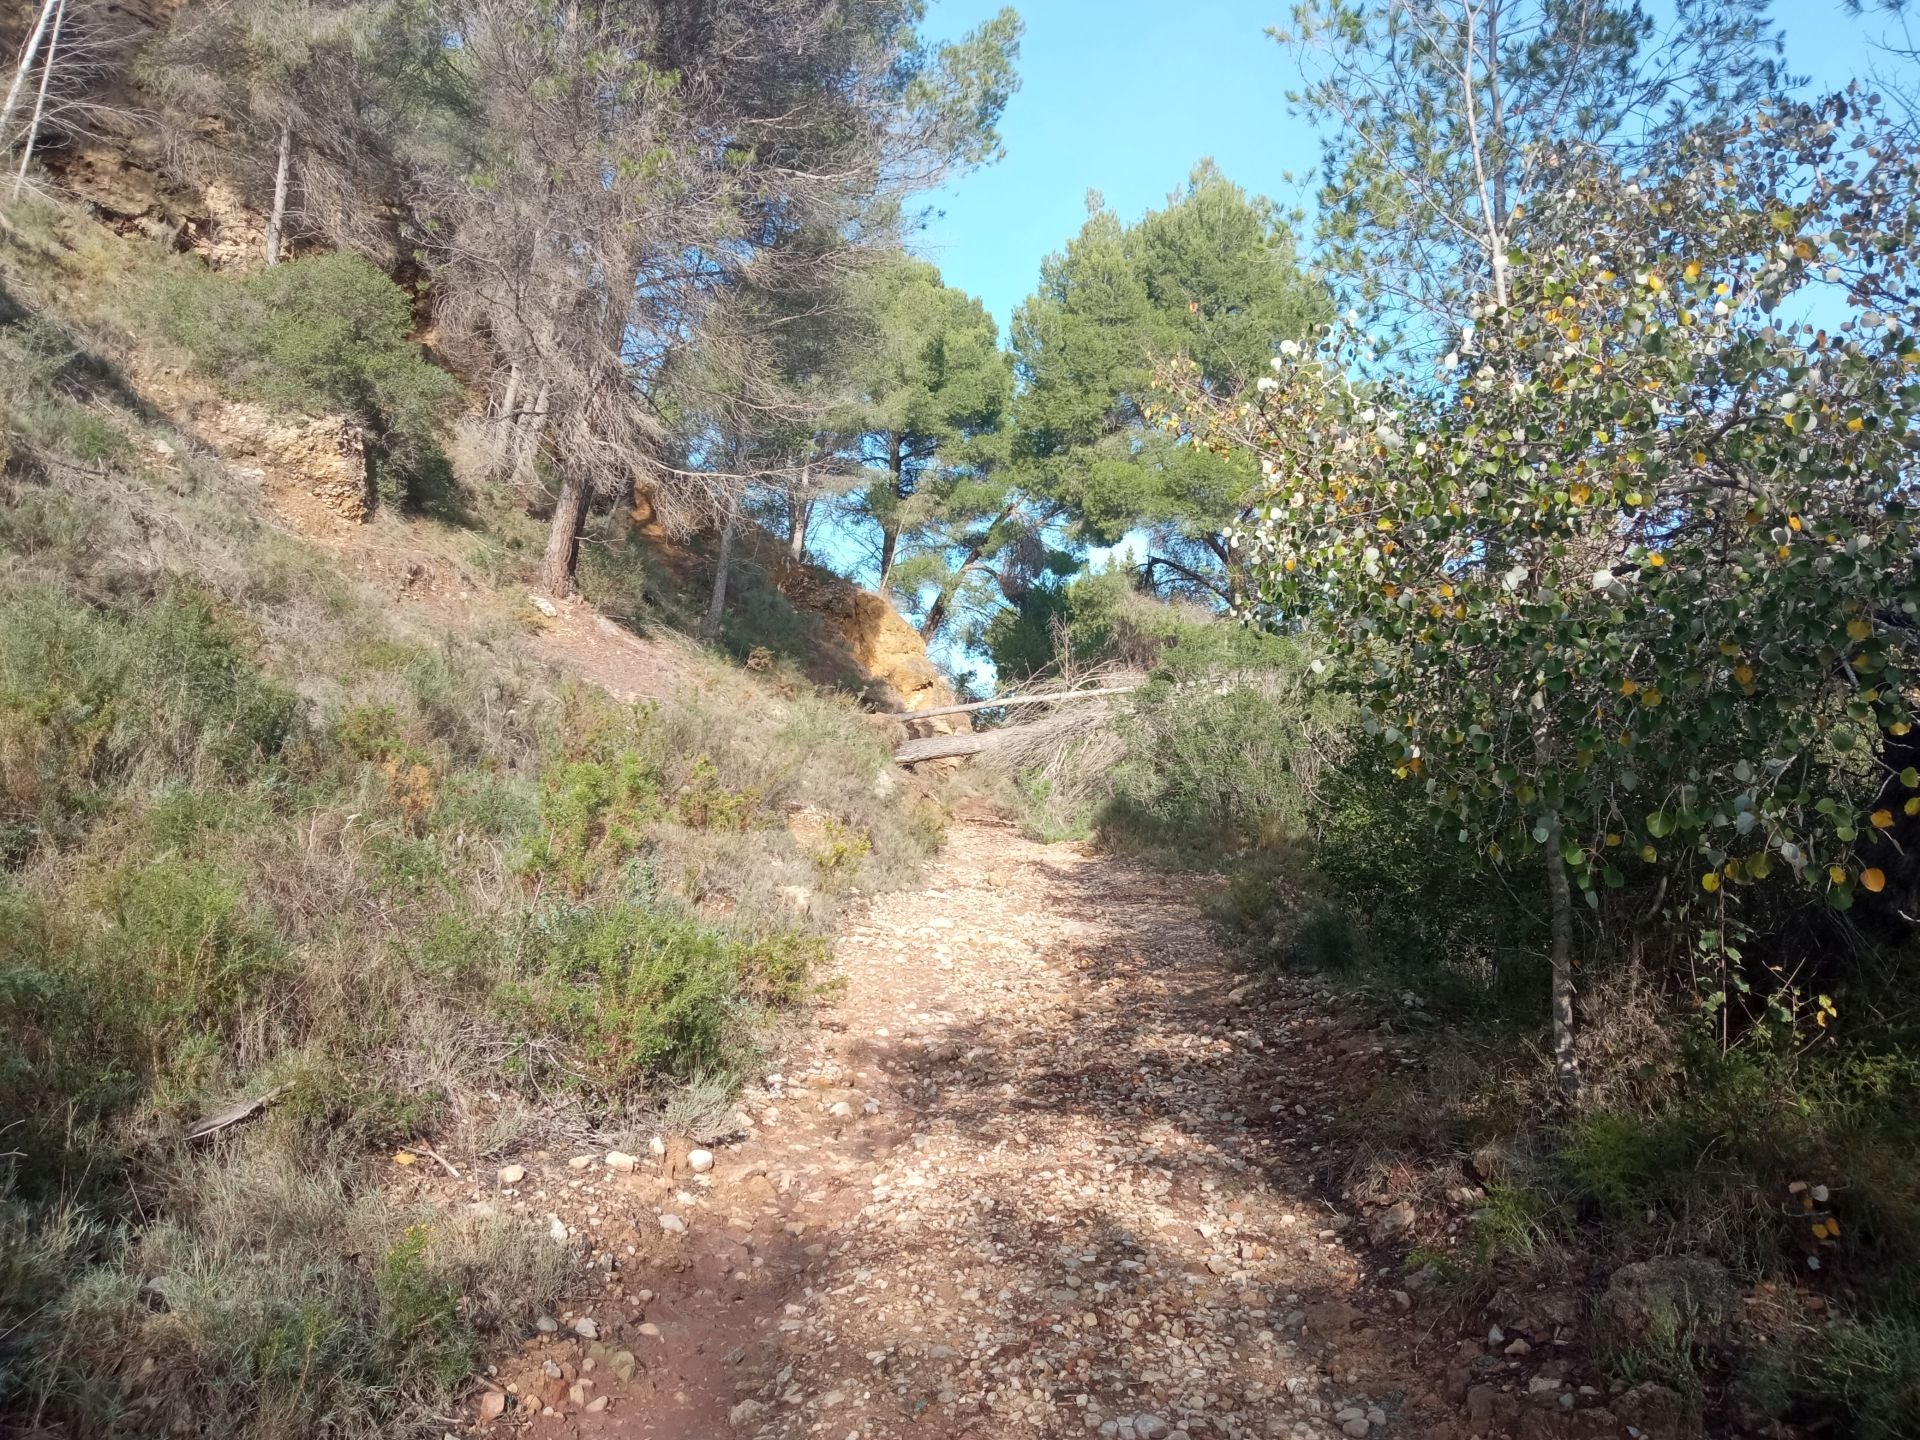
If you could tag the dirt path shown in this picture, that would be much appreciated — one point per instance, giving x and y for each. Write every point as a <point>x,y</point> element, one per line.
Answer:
<point>1043,1169</point>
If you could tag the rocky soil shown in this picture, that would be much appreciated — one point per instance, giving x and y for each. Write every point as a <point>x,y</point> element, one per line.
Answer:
<point>1046,1167</point>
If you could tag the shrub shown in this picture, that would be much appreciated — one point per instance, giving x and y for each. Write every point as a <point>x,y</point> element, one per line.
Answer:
<point>321,335</point>
<point>638,993</point>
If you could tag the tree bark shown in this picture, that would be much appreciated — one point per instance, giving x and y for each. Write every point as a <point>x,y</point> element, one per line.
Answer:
<point>563,538</point>
<point>40,101</point>
<point>505,423</point>
<point>1566,1066</point>
<point>717,607</point>
<point>530,431</point>
<point>27,58</point>
<point>276,222</point>
<point>890,527</point>
<point>797,534</point>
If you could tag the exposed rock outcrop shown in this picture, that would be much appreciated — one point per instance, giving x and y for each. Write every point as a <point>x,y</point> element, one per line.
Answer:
<point>312,470</point>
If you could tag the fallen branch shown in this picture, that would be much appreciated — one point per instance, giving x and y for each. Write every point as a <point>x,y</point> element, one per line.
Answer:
<point>1012,700</point>
<point>943,747</point>
<point>222,1119</point>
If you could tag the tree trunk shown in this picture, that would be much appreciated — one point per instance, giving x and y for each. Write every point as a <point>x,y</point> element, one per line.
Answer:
<point>505,423</point>
<point>1560,910</point>
<point>936,616</point>
<point>40,101</point>
<point>797,533</point>
<point>276,222</point>
<point>530,431</point>
<point>890,526</point>
<point>717,607</point>
<point>28,56</point>
<point>563,538</point>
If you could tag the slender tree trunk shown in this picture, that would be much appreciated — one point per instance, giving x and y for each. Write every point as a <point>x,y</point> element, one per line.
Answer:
<point>506,424</point>
<point>28,55</point>
<point>530,430</point>
<point>802,516</point>
<point>1560,911</point>
<point>40,101</point>
<point>890,527</point>
<point>563,538</point>
<point>936,616</point>
<point>717,607</point>
<point>276,222</point>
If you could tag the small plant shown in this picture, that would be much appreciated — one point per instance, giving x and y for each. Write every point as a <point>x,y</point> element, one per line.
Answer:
<point>841,850</point>
<point>703,803</point>
<point>421,1331</point>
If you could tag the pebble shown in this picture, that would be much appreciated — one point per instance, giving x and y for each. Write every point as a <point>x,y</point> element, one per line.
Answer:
<point>511,1174</point>
<point>621,1162</point>
<point>673,1224</point>
<point>586,1329</point>
<point>546,1325</point>
<point>700,1161</point>
<point>580,1162</point>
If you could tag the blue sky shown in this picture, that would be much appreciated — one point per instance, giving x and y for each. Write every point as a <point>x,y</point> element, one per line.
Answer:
<point>1124,96</point>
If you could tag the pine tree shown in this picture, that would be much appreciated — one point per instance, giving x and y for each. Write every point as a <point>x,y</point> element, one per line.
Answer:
<point>1213,276</point>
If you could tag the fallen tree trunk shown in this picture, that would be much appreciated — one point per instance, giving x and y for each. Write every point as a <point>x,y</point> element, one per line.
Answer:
<point>944,747</point>
<point>1011,700</point>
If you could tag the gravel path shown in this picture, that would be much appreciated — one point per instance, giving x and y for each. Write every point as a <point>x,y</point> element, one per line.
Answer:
<point>1041,1170</point>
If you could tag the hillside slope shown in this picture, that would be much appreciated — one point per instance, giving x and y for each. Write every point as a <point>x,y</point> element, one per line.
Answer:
<point>313,845</point>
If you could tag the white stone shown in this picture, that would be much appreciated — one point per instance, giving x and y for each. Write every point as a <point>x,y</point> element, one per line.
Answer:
<point>620,1161</point>
<point>511,1174</point>
<point>586,1329</point>
<point>699,1161</point>
<point>673,1224</point>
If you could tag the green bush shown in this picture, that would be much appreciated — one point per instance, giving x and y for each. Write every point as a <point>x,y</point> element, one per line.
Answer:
<point>322,335</point>
<point>89,699</point>
<point>639,993</point>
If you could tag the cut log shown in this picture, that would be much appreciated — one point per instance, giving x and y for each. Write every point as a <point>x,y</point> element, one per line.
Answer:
<point>944,747</point>
<point>1011,700</point>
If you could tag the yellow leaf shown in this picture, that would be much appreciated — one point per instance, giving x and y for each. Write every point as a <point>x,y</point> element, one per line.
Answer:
<point>1743,673</point>
<point>1693,270</point>
<point>1650,697</point>
<point>1710,881</point>
<point>1833,1228</point>
<point>1783,552</point>
<point>1858,629</point>
<point>1649,854</point>
<point>1656,560</point>
<point>1793,523</point>
<point>1899,727</point>
<point>1819,1230</point>
<point>1837,874</point>
<point>1912,807</point>
<point>1882,819</point>
<point>1856,424</point>
<point>1875,880</point>
<point>1655,283</point>
<point>1613,839</point>
<point>1628,687</point>
<point>404,1157</point>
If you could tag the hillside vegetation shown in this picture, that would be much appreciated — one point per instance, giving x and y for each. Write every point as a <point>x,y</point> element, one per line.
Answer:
<point>266,837</point>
